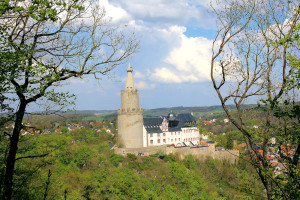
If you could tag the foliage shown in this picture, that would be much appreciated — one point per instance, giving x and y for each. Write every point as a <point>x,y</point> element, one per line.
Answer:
<point>44,43</point>
<point>88,170</point>
<point>131,156</point>
<point>82,155</point>
<point>115,159</point>
<point>229,141</point>
<point>255,57</point>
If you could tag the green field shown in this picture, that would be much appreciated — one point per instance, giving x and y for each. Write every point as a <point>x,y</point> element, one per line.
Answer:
<point>93,118</point>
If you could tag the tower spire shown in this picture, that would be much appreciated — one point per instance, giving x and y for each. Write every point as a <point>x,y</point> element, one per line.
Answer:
<point>129,81</point>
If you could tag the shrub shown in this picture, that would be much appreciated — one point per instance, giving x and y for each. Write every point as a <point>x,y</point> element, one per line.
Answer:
<point>131,156</point>
<point>115,159</point>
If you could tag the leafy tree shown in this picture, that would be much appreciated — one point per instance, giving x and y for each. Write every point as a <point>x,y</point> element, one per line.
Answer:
<point>82,155</point>
<point>255,58</point>
<point>64,130</point>
<point>44,43</point>
<point>229,141</point>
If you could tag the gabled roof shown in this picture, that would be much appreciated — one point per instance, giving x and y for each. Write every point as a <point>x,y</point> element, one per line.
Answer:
<point>152,121</point>
<point>185,117</point>
<point>185,120</point>
<point>152,124</point>
<point>153,130</point>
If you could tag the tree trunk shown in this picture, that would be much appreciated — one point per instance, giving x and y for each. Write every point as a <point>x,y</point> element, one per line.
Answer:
<point>13,147</point>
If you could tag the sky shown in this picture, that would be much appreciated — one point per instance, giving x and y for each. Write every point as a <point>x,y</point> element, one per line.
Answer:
<point>171,67</point>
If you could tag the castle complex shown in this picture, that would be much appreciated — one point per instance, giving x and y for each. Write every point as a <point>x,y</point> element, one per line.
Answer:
<point>170,134</point>
<point>136,131</point>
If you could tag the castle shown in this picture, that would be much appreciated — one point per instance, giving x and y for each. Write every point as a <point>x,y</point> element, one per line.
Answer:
<point>135,131</point>
<point>170,134</point>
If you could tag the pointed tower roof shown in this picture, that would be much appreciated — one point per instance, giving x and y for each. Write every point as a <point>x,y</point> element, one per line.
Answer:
<point>129,81</point>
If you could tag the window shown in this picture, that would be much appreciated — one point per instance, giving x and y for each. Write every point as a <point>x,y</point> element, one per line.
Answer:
<point>158,141</point>
<point>178,139</point>
<point>164,134</point>
<point>164,140</point>
<point>172,133</point>
<point>151,141</point>
<point>175,139</point>
<point>151,134</point>
<point>171,140</point>
<point>175,133</point>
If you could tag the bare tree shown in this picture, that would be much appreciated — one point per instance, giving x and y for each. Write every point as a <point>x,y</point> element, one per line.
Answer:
<point>250,62</point>
<point>44,43</point>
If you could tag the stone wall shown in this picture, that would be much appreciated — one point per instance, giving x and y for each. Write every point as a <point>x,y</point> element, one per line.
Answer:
<point>200,153</point>
<point>149,150</point>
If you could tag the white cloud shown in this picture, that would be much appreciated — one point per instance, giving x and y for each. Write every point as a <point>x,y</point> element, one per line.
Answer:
<point>138,75</point>
<point>142,85</point>
<point>166,54</point>
<point>116,13</point>
<point>188,62</point>
<point>165,75</point>
<point>167,11</point>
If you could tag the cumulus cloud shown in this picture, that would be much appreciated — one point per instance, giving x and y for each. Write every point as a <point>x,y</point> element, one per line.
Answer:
<point>138,75</point>
<point>188,62</point>
<point>167,11</point>
<point>165,75</point>
<point>142,85</point>
<point>166,55</point>
<point>116,13</point>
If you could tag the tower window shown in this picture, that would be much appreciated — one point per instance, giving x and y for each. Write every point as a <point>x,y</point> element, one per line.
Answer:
<point>151,141</point>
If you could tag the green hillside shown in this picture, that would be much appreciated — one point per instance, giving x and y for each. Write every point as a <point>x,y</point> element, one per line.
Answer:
<point>80,165</point>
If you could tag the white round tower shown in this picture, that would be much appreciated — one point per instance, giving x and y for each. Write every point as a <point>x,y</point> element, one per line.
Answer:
<point>130,116</point>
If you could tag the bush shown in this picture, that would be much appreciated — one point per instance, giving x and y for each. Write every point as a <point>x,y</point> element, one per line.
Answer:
<point>131,156</point>
<point>190,162</point>
<point>115,159</point>
<point>171,158</point>
<point>160,154</point>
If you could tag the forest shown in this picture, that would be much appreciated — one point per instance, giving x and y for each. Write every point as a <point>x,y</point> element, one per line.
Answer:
<point>80,164</point>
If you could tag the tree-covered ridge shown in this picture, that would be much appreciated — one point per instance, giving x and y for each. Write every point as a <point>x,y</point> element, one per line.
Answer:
<point>80,165</point>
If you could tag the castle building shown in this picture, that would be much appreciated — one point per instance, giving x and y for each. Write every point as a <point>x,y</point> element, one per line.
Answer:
<point>171,130</point>
<point>134,131</point>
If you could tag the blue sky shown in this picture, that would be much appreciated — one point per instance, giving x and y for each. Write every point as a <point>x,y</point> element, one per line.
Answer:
<point>171,67</point>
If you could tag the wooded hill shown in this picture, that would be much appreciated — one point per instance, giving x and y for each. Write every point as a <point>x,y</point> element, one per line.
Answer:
<point>80,165</point>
